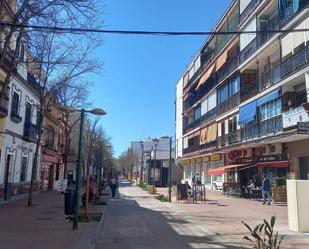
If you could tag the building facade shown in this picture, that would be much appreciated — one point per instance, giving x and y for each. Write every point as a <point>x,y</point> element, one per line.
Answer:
<point>245,97</point>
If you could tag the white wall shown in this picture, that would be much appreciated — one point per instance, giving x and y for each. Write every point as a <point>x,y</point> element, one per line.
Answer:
<point>13,143</point>
<point>179,116</point>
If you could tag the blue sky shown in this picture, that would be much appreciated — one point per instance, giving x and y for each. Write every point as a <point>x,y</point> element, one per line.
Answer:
<point>140,73</point>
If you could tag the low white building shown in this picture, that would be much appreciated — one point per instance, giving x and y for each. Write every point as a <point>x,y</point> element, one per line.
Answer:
<point>19,135</point>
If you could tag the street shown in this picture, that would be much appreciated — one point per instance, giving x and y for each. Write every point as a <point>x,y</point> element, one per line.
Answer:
<point>137,220</point>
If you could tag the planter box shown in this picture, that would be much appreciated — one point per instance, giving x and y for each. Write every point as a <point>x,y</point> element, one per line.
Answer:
<point>279,194</point>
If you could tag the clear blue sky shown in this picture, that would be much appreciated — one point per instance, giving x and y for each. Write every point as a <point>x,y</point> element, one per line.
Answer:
<point>137,85</point>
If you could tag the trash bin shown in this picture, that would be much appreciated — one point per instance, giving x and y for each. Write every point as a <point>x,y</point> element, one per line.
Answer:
<point>69,201</point>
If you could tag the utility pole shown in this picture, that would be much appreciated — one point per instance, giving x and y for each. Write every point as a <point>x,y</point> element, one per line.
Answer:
<point>142,162</point>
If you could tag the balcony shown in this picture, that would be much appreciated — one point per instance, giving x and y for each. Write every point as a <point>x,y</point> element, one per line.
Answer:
<point>200,93</point>
<point>226,70</point>
<point>271,77</point>
<point>248,10</point>
<point>194,76</point>
<point>229,139</point>
<point>31,80</point>
<point>208,116</point>
<point>295,62</point>
<point>249,90</point>
<point>264,128</point>
<point>248,50</point>
<point>192,149</point>
<point>4,106</point>
<point>30,132</point>
<point>229,104</point>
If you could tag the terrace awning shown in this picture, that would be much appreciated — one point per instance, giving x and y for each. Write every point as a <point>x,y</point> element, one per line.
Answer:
<point>247,113</point>
<point>206,75</point>
<point>275,164</point>
<point>221,170</point>
<point>269,97</point>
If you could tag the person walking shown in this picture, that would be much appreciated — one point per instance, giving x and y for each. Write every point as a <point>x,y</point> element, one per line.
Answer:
<point>113,186</point>
<point>266,190</point>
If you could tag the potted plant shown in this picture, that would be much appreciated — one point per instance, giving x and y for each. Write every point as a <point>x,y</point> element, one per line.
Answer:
<point>279,192</point>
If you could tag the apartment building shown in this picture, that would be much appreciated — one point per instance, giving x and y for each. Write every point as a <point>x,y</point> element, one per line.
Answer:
<point>242,104</point>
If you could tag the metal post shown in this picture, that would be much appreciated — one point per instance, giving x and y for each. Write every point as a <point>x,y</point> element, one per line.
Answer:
<point>154,170</point>
<point>142,163</point>
<point>79,159</point>
<point>170,174</point>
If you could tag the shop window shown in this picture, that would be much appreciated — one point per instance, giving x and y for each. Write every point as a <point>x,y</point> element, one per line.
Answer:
<point>23,169</point>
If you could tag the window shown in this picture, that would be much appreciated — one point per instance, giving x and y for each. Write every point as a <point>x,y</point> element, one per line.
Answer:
<point>229,89</point>
<point>197,113</point>
<point>209,103</point>
<point>15,104</point>
<point>185,143</point>
<point>23,169</point>
<point>232,124</point>
<point>246,38</point>
<point>50,136</point>
<point>270,109</point>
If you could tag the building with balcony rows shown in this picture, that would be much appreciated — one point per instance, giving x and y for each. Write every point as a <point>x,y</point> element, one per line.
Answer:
<point>242,104</point>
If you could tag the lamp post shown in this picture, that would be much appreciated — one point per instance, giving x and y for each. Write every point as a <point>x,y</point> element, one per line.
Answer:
<point>155,143</point>
<point>95,111</point>
<point>142,162</point>
<point>169,168</point>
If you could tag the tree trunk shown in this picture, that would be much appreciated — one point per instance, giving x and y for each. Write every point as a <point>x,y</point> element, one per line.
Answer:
<point>35,163</point>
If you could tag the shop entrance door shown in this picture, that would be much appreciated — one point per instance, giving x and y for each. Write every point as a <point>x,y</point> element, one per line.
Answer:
<point>51,177</point>
<point>304,168</point>
<point>8,178</point>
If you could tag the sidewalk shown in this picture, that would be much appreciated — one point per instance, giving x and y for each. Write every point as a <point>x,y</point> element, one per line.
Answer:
<point>138,220</point>
<point>42,226</point>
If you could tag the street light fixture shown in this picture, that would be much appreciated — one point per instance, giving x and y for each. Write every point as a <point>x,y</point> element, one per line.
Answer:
<point>95,111</point>
<point>169,168</point>
<point>155,143</point>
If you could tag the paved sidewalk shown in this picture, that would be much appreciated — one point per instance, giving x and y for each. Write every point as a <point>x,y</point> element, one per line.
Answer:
<point>137,220</point>
<point>42,226</point>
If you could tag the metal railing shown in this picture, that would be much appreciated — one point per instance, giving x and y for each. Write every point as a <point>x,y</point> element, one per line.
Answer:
<point>229,139</point>
<point>295,62</point>
<point>271,77</point>
<point>229,104</point>
<point>248,10</point>
<point>249,90</point>
<point>4,106</point>
<point>263,128</point>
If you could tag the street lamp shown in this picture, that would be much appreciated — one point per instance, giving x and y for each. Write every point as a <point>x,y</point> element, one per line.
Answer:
<point>95,111</point>
<point>169,169</point>
<point>142,162</point>
<point>155,143</point>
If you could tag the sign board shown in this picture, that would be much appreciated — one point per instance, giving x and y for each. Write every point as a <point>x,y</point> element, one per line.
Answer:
<point>199,160</point>
<point>61,185</point>
<point>216,157</point>
<point>293,116</point>
<point>206,159</point>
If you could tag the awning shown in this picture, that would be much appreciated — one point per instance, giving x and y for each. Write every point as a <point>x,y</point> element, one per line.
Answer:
<point>220,170</point>
<point>203,136</point>
<point>206,76</point>
<point>49,158</point>
<point>247,113</point>
<point>269,97</point>
<point>221,60</point>
<point>275,164</point>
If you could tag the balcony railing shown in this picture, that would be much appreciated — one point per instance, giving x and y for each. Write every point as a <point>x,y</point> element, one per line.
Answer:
<point>249,90</point>
<point>271,77</point>
<point>30,132</point>
<point>200,93</point>
<point>287,14</point>
<point>227,69</point>
<point>229,104</point>
<point>208,116</point>
<point>264,128</point>
<point>195,76</point>
<point>229,139</point>
<point>248,10</point>
<point>192,148</point>
<point>248,50</point>
<point>295,62</point>
<point>15,117</point>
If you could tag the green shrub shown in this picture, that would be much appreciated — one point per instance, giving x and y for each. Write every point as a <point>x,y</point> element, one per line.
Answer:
<point>162,198</point>
<point>263,235</point>
<point>150,189</point>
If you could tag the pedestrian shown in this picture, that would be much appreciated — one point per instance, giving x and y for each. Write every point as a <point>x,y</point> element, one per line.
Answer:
<point>266,190</point>
<point>113,186</point>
